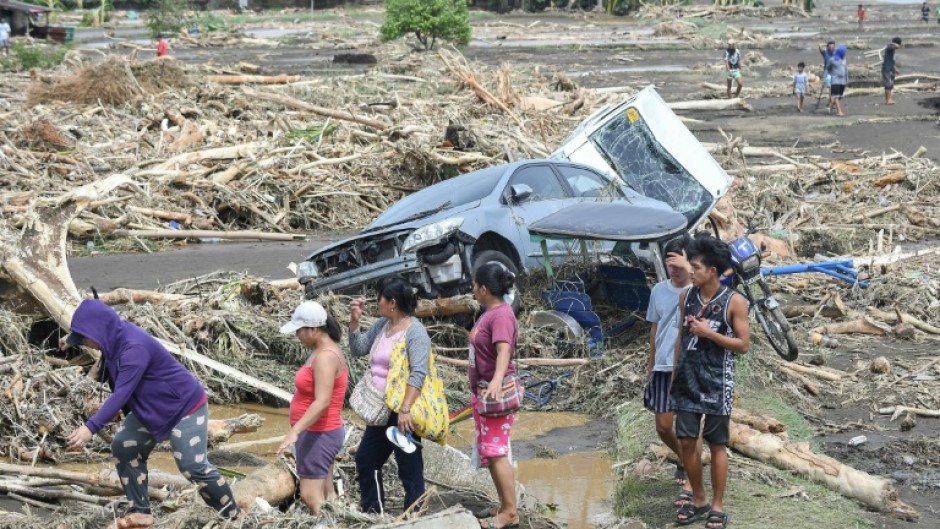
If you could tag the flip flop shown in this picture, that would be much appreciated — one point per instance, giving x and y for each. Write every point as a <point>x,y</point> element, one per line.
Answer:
<point>404,441</point>
<point>692,513</point>
<point>487,512</point>
<point>491,524</point>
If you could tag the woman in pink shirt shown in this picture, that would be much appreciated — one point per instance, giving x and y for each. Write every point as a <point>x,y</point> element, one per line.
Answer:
<point>492,348</point>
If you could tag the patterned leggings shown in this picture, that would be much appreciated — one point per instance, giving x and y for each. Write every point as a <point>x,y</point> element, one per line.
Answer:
<point>133,443</point>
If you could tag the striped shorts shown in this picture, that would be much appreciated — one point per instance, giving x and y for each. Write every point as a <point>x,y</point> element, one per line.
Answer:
<point>656,397</point>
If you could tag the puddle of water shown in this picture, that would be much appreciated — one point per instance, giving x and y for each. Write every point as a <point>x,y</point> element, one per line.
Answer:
<point>579,484</point>
<point>528,426</point>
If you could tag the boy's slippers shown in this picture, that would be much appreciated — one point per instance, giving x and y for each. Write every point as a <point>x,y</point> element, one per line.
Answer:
<point>406,442</point>
<point>692,513</point>
<point>486,512</point>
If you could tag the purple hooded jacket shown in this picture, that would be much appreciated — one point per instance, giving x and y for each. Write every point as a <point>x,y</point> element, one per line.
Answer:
<point>147,379</point>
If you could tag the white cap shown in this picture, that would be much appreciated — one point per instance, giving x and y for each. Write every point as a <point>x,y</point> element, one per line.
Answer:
<point>307,314</point>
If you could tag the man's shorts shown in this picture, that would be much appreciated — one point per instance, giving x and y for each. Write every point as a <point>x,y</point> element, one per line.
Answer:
<point>689,424</point>
<point>732,74</point>
<point>837,90</point>
<point>656,397</point>
<point>887,80</point>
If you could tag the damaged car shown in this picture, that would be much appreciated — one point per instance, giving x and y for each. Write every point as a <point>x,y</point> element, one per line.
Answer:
<point>637,152</point>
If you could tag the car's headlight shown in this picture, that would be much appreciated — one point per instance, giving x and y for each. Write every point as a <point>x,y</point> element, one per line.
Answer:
<point>431,234</point>
<point>750,263</point>
<point>307,270</point>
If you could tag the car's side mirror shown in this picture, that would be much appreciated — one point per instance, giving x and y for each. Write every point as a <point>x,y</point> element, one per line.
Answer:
<point>519,193</point>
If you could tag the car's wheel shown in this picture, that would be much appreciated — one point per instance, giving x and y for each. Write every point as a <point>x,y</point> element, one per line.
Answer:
<point>495,256</point>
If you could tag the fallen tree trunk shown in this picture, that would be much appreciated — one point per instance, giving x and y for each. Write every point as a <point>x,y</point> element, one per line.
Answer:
<point>253,79</point>
<point>110,485</point>
<point>816,372</point>
<point>895,317</point>
<point>221,430</point>
<point>274,483</point>
<point>761,423</point>
<point>328,112</point>
<point>863,325</point>
<point>875,492</point>
<point>209,234</point>
<point>122,296</point>
<point>736,103</point>
<point>828,311</point>
<point>897,411</point>
<point>435,308</point>
<point>219,153</point>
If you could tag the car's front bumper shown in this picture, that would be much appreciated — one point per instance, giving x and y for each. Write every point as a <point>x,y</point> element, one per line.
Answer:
<point>350,279</point>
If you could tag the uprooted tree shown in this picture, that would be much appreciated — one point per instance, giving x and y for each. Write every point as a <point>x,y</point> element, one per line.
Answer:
<point>428,20</point>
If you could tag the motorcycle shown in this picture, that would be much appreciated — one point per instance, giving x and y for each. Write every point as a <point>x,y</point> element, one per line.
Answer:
<point>749,281</point>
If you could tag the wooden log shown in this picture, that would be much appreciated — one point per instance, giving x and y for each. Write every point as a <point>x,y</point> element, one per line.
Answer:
<point>328,112</point>
<point>829,375</point>
<point>829,311</point>
<point>761,423</point>
<point>218,153</point>
<point>863,325</point>
<point>436,308</point>
<point>897,411</point>
<point>185,218</point>
<point>873,491</point>
<point>811,387</point>
<point>896,317</point>
<point>112,485</point>
<point>735,103</point>
<point>273,483</point>
<point>123,296</point>
<point>253,79</point>
<point>210,234</point>
<point>52,494</point>
<point>222,430</point>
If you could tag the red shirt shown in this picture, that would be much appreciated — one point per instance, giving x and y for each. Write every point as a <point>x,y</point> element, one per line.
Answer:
<point>304,395</point>
<point>161,48</point>
<point>861,14</point>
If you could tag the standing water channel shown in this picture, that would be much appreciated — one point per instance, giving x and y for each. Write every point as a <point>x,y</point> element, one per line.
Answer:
<point>558,460</point>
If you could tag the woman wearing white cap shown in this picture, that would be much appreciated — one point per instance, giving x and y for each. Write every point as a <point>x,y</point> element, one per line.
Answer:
<point>316,423</point>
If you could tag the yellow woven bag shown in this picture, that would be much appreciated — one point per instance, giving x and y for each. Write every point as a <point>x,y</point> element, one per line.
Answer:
<point>429,411</point>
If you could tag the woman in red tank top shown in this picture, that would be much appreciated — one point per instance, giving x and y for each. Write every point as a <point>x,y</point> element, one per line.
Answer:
<point>317,431</point>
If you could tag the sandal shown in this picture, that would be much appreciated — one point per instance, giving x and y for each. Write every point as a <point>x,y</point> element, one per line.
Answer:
<point>717,520</point>
<point>684,497</point>
<point>487,512</point>
<point>680,475</point>
<point>692,513</point>
<point>491,524</point>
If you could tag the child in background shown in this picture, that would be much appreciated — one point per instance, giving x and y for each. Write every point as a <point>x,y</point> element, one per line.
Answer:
<point>800,85</point>
<point>861,15</point>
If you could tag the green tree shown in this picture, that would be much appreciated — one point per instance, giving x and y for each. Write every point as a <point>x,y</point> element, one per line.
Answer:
<point>429,20</point>
<point>168,17</point>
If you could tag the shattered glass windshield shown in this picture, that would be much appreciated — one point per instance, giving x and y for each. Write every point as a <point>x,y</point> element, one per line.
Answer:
<point>644,165</point>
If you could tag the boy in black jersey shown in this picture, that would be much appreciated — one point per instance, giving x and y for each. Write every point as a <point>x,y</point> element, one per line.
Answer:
<point>714,328</point>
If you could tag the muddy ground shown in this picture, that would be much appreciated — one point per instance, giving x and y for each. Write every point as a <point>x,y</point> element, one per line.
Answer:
<point>597,51</point>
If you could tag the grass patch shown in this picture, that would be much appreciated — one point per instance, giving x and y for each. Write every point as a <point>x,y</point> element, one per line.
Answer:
<point>752,503</point>
<point>709,28</point>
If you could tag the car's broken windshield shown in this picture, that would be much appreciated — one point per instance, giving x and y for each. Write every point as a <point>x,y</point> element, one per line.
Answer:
<point>645,166</point>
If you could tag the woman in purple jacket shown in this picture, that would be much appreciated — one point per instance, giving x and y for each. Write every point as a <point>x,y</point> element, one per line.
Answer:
<point>161,399</point>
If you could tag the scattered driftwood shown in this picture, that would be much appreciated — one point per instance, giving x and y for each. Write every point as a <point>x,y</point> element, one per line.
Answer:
<point>811,387</point>
<point>436,308</point>
<point>761,423</point>
<point>465,74</point>
<point>253,79</point>
<point>209,234</point>
<point>222,430</point>
<point>110,486</point>
<point>736,103</point>
<point>897,411</point>
<point>862,325</point>
<point>123,296</point>
<point>301,105</point>
<point>900,317</point>
<point>875,492</point>
<point>274,483</point>
<point>818,372</point>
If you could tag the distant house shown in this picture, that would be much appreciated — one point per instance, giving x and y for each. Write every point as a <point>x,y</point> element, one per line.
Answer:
<point>26,18</point>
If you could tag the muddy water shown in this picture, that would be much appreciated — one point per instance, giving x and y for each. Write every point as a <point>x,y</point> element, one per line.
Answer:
<point>573,476</point>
